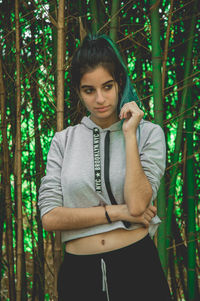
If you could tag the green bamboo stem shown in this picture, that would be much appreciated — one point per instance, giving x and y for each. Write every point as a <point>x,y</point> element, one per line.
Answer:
<point>158,116</point>
<point>114,20</point>
<point>175,159</point>
<point>191,202</point>
<point>94,13</point>
<point>165,52</point>
<point>18,160</point>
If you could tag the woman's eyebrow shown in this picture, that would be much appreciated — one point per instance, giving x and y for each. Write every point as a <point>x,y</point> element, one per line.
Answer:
<point>104,84</point>
<point>108,82</point>
<point>86,86</point>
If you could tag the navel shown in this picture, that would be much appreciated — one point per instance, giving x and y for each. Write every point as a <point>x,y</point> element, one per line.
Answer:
<point>103,242</point>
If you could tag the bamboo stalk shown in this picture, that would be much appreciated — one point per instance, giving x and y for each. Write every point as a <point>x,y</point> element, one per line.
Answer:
<point>181,257</point>
<point>18,159</point>
<point>60,65</point>
<point>39,275</point>
<point>191,202</point>
<point>2,211</point>
<point>60,115</point>
<point>54,14</point>
<point>8,201</point>
<point>165,53</point>
<point>172,272</point>
<point>94,13</point>
<point>114,19</point>
<point>101,14</point>
<point>158,116</point>
<point>178,141</point>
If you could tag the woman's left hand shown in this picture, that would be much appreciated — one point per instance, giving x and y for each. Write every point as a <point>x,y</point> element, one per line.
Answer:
<point>132,115</point>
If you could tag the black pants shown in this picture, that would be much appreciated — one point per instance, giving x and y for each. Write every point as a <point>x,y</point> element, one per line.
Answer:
<point>130,273</point>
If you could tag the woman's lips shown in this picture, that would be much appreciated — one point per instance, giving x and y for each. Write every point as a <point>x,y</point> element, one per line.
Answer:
<point>102,109</point>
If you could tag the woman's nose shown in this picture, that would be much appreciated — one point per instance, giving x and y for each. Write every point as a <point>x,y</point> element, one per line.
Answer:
<point>100,97</point>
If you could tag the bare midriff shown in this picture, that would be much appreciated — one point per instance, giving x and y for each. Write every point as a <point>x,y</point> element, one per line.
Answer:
<point>105,242</point>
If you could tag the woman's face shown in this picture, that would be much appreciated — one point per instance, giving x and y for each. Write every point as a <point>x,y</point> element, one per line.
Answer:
<point>99,92</point>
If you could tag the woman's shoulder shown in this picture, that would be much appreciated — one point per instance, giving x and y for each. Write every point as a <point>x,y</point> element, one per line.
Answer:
<point>149,130</point>
<point>66,131</point>
<point>149,126</point>
<point>60,137</point>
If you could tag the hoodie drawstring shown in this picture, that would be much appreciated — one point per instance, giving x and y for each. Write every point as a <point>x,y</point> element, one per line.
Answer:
<point>104,278</point>
<point>106,174</point>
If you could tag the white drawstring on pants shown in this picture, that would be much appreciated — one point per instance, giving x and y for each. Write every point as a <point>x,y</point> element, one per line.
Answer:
<point>104,278</point>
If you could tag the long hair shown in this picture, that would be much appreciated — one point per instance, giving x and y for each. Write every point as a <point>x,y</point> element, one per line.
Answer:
<point>96,51</point>
<point>100,50</point>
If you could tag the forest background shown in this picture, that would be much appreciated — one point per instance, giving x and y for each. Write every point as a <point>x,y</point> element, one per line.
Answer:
<point>160,42</point>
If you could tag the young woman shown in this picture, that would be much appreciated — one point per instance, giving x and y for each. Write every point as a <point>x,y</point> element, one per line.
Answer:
<point>102,176</point>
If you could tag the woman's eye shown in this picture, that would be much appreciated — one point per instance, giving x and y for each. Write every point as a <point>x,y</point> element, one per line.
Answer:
<point>108,87</point>
<point>88,91</point>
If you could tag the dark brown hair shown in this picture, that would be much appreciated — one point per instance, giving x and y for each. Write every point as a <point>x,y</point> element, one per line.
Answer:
<point>95,51</point>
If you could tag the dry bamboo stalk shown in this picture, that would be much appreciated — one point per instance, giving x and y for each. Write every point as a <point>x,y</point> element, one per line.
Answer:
<point>60,115</point>
<point>82,30</point>
<point>166,48</point>
<point>60,65</point>
<point>18,158</point>
<point>8,201</point>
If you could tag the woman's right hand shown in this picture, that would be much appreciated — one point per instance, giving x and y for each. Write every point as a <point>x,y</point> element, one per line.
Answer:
<point>143,219</point>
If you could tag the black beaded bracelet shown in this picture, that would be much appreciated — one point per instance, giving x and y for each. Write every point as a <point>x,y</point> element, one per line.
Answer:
<point>107,216</point>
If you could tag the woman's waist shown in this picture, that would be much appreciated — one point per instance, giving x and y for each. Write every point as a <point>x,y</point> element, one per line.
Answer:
<point>105,242</point>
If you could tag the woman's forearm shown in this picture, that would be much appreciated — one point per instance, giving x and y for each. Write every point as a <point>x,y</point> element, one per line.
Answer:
<point>64,218</point>
<point>137,189</point>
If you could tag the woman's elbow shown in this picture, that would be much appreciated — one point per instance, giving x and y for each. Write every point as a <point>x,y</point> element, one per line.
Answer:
<point>48,221</point>
<point>137,210</point>
<point>139,207</point>
<point>45,223</point>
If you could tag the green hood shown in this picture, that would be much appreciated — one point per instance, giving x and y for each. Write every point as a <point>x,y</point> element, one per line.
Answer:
<point>129,93</point>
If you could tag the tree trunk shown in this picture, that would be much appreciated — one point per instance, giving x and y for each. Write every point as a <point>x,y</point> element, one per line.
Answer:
<point>18,160</point>
<point>158,116</point>
<point>2,211</point>
<point>54,14</point>
<point>39,253</point>
<point>94,15</point>
<point>39,274</point>
<point>190,180</point>
<point>166,48</point>
<point>60,64</point>
<point>161,193</point>
<point>181,256</point>
<point>60,114</point>
<point>178,141</point>
<point>172,272</point>
<point>114,19</point>
<point>8,201</point>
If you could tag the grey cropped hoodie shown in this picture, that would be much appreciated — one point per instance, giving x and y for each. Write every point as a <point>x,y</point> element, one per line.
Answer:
<point>86,166</point>
<point>70,174</point>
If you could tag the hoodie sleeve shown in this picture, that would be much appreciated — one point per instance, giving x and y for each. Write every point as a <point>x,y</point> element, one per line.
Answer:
<point>153,156</point>
<point>50,191</point>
